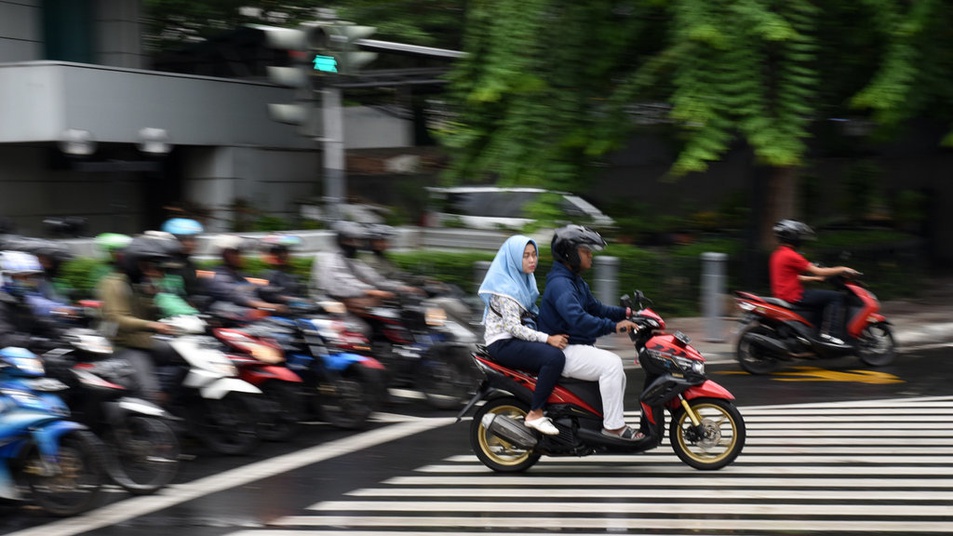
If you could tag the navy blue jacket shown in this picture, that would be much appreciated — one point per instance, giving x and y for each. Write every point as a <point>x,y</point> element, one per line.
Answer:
<point>569,307</point>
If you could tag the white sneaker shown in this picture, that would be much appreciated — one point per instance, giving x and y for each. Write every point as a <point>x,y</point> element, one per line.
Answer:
<point>832,340</point>
<point>543,425</point>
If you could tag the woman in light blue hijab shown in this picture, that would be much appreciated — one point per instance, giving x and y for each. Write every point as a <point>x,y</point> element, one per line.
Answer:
<point>509,293</point>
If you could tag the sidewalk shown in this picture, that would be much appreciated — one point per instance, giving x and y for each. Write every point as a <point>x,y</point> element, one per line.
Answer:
<point>926,320</point>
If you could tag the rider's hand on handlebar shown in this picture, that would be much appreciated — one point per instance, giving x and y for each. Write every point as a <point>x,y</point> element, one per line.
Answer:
<point>163,329</point>
<point>849,272</point>
<point>626,326</point>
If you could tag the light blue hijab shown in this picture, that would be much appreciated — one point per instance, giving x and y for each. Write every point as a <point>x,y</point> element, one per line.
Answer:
<point>505,276</point>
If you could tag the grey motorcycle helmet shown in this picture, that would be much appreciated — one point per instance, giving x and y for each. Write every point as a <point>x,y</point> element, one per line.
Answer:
<point>566,242</point>
<point>793,232</point>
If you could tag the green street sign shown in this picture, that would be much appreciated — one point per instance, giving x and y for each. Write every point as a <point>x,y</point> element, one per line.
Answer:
<point>325,64</point>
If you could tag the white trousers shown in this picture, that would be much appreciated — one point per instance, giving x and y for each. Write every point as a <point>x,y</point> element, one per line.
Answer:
<point>584,362</point>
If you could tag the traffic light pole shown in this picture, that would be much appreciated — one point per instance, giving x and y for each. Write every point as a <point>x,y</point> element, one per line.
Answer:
<point>333,147</point>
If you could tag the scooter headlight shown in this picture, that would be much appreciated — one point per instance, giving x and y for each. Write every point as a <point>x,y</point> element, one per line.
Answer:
<point>435,316</point>
<point>691,365</point>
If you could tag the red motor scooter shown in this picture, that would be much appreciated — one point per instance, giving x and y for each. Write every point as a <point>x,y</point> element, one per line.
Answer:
<point>706,429</point>
<point>774,331</point>
<point>261,362</point>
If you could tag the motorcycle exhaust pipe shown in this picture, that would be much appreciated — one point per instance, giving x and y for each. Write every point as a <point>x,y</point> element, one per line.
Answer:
<point>768,344</point>
<point>509,430</point>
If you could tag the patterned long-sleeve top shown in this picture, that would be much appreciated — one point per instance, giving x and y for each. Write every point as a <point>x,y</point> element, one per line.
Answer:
<point>507,324</point>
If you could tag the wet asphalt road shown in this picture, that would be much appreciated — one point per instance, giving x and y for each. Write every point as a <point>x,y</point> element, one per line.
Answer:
<point>215,495</point>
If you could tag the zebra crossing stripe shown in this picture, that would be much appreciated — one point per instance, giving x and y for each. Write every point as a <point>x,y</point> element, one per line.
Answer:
<point>610,524</point>
<point>878,466</point>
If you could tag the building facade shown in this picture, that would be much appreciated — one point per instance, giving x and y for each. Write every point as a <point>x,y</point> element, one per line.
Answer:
<point>88,130</point>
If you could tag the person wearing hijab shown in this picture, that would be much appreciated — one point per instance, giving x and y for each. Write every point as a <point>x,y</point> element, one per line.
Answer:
<point>509,293</point>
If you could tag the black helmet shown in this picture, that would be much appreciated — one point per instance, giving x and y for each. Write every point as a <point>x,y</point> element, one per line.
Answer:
<point>793,232</point>
<point>567,239</point>
<point>148,248</point>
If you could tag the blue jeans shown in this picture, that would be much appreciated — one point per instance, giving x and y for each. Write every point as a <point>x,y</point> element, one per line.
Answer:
<point>538,358</point>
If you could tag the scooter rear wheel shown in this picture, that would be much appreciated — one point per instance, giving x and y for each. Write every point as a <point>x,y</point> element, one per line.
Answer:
<point>716,442</point>
<point>877,347</point>
<point>282,407</point>
<point>495,452</point>
<point>752,359</point>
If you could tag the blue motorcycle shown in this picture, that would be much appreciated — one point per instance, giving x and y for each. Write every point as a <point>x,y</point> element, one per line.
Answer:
<point>44,457</point>
<point>341,385</point>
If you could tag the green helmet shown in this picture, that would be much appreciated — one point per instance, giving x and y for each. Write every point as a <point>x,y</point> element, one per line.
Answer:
<point>111,242</point>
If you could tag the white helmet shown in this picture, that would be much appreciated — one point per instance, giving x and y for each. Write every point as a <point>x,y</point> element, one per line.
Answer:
<point>227,241</point>
<point>18,262</point>
<point>13,263</point>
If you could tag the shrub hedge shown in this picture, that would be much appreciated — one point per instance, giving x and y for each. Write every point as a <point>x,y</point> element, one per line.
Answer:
<point>670,276</point>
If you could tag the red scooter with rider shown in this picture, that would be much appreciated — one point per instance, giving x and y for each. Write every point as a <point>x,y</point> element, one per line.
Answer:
<point>706,430</point>
<point>798,323</point>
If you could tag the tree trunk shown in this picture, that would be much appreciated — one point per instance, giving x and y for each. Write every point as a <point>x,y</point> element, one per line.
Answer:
<point>780,202</point>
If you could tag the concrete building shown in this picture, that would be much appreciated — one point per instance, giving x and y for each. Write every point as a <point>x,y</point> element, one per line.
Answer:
<point>87,129</point>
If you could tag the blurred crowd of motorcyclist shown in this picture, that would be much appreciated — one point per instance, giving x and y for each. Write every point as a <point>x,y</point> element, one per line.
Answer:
<point>356,302</point>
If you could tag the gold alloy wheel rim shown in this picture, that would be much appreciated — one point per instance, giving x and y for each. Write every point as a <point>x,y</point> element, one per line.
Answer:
<point>692,449</point>
<point>491,444</point>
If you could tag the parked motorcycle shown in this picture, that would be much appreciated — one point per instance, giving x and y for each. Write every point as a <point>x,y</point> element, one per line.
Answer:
<point>775,332</point>
<point>44,456</point>
<point>706,430</point>
<point>219,408</point>
<point>423,350</point>
<point>142,448</point>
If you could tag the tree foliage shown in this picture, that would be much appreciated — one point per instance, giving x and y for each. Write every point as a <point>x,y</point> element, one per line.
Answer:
<point>545,91</point>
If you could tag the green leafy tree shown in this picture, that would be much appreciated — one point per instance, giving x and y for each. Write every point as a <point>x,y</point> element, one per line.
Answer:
<point>545,92</point>
<point>534,94</point>
<point>913,78</point>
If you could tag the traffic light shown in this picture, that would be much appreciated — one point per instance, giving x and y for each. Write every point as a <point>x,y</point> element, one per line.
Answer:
<point>303,112</point>
<point>334,47</point>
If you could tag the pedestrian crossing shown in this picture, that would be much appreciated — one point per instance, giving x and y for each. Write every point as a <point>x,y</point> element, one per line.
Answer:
<point>845,468</point>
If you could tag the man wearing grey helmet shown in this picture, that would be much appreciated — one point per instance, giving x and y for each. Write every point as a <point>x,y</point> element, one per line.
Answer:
<point>569,307</point>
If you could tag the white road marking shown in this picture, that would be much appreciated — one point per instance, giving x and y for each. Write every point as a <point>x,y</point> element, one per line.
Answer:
<point>140,506</point>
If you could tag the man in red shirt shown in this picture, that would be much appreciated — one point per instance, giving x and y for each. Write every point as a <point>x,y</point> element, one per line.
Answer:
<point>790,270</point>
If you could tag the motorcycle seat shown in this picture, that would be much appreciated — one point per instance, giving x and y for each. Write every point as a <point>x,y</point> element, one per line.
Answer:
<point>779,302</point>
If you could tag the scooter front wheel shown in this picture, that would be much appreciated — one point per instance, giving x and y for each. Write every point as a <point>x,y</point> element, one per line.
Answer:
<point>144,454</point>
<point>876,346</point>
<point>229,425</point>
<point>74,484</point>
<point>495,452</point>
<point>718,439</point>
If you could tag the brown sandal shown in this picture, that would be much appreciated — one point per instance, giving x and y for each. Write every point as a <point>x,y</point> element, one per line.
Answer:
<point>627,434</point>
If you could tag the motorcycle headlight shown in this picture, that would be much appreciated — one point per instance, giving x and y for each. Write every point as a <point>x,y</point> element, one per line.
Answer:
<point>696,367</point>
<point>28,366</point>
<point>266,354</point>
<point>435,316</point>
<point>333,307</point>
